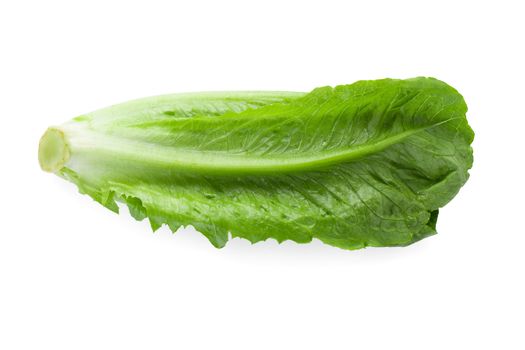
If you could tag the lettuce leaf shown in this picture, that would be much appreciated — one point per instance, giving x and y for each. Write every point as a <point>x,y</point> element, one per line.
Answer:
<point>366,164</point>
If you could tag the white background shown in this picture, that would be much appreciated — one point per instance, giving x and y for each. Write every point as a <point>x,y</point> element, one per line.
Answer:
<point>73,275</point>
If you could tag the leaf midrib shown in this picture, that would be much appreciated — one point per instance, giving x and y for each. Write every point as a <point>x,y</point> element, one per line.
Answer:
<point>207,162</point>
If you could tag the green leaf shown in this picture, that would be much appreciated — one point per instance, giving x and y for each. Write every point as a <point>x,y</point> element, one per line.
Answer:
<point>366,164</point>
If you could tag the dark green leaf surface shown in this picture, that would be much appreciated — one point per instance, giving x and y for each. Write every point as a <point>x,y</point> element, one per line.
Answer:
<point>367,164</point>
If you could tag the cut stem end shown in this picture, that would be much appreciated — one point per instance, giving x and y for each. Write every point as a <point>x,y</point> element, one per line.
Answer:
<point>53,151</point>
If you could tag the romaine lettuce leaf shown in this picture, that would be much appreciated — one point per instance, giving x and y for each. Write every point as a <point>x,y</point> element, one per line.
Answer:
<point>366,164</point>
